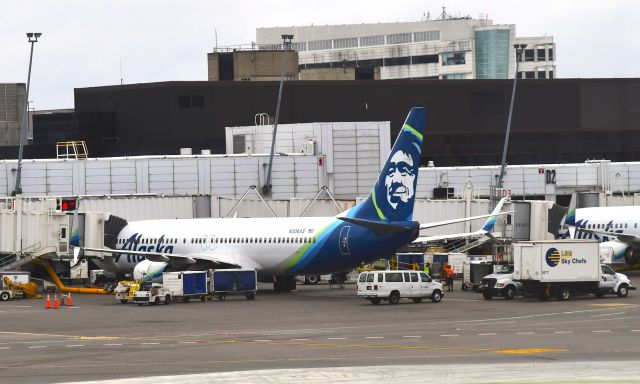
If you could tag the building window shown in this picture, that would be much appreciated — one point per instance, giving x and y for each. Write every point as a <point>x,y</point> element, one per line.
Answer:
<point>396,61</point>
<point>424,59</point>
<point>191,101</point>
<point>530,75</point>
<point>345,43</point>
<point>399,38</point>
<point>540,53</point>
<point>454,76</point>
<point>300,47</point>
<point>542,74</point>
<point>371,40</point>
<point>453,58</point>
<point>529,55</point>
<point>551,74</point>
<point>197,101</point>
<point>520,75</point>
<point>550,52</point>
<point>426,36</point>
<point>319,45</point>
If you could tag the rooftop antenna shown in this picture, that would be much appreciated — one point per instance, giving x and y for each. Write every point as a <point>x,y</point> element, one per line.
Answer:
<point>444,13</point>
<point>121,79</point>
<point>215,33</point>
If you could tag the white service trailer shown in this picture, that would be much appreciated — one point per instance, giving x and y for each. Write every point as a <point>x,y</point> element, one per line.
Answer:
<point>560,268</point>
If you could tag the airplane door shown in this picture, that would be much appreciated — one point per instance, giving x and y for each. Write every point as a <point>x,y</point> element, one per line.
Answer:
<point>344,240</point>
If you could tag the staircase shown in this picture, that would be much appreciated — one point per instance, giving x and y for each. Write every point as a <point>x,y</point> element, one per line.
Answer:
<point>14,261</point>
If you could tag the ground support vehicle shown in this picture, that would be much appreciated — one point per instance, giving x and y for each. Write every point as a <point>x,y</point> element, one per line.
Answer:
<point>501,283</point>
<point>186,285</point>
<point>565,268</point>
<point>229,281</point>
<point>152,293</point>
<point>392,286</point>
<point>10,281</point>
<point>125,289</point>
<point>473,272</point>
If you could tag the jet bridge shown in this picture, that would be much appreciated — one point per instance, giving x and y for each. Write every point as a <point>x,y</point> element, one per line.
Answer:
<point>31,228</point>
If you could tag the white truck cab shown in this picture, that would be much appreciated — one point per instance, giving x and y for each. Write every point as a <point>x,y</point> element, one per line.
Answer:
<point>501,283</point>
<point>612,282</point>
<point>152,293</point>
<point>376,286</point>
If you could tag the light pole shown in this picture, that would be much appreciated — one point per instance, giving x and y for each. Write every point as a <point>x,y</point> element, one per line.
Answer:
<point>519,49</point>
<point>32,38</point>
<point>286,45</point>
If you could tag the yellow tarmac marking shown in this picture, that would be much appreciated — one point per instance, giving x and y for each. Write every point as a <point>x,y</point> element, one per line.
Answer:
<point>96,337</point>
<point>530,351</point>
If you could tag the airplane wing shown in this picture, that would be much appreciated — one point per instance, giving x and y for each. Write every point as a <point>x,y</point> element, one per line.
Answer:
<point>486,228</point>
<point>179,260</point>
<point>631,240</point>
<point>496,212</point>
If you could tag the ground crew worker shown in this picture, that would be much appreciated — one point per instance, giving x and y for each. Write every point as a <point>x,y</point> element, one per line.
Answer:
<point>427,268</point>
<point>448,274</point>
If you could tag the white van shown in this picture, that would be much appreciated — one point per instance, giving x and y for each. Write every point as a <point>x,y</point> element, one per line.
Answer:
<point>394,285</point>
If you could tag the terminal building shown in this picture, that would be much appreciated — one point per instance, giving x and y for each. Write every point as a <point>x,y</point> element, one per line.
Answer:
<point>446,48</point>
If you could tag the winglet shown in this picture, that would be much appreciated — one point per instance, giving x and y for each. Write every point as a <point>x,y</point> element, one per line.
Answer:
<point>491,221</point>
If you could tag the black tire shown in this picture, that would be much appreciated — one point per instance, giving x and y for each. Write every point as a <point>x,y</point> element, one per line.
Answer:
<point>417,299</point>
<point>250,295</point>
<point>487,295</point>
<point>436,296</point>
<point>167,300</point>
<point>4,296</point>
<point>157,300</point>
<point>376,300</point>
<point>203,298</point>
<point>464,287</point>
<point>563,293</point>
<point>510,293</point>
<point>394,298</point>
<point>312,279</point>
<point>623,291</point>
<point>124,301</point>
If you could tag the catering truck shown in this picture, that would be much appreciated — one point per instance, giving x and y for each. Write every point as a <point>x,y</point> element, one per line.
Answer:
<point>565,268</point>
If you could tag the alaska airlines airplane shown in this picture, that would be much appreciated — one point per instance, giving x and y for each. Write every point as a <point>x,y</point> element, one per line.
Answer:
<point>284,247</point>
<point>615,227</point>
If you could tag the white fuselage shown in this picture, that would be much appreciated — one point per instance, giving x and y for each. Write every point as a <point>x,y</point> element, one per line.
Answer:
<point>622,220</point>
<point>266,242</point>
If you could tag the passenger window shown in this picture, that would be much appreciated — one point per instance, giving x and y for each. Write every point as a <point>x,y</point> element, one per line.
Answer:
<point>362,278</point>
<point>406,277</point>
<point>370,277</point>
<point>414,278</point>
<point>379,277</point>
<point>393,277</point>
<point>424,277</point>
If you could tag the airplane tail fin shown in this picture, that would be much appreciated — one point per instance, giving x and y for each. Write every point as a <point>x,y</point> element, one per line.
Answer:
<point>393,195</point>
<point>491,221</point>
<point>570,219</point>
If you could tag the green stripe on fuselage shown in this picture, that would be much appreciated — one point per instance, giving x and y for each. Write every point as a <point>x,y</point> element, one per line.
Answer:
<point>298,255</point>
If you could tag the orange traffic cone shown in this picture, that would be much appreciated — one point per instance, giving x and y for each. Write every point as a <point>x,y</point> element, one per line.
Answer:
<point>48,305</point>
<point>69,301</point>
<point>55,301</point>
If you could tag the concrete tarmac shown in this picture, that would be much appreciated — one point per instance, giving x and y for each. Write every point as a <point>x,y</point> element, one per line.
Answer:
<point>314,331</point>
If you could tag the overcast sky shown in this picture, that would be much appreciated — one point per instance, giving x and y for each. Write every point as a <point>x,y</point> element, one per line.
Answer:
<point>87,42</point>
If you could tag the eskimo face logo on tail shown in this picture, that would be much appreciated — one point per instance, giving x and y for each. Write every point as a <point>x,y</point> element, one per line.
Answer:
<point>400,179</point>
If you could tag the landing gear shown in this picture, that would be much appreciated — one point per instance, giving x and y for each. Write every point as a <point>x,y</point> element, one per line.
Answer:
<point>284,283</point>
